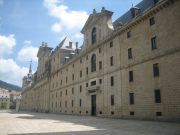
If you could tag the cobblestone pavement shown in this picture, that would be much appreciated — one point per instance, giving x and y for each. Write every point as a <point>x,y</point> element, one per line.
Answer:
<point>23,123</point>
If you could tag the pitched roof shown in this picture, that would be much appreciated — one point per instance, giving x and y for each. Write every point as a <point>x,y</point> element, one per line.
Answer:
<point>127,17</point>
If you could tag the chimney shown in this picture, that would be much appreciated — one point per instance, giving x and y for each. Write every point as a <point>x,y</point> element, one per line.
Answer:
<point>134,11</point>
<point>77,48</point>
<point>42,44</point>
<point>45,44</point>
<point>94,11</point>
<point>70,44</point>
<point>103,9</point>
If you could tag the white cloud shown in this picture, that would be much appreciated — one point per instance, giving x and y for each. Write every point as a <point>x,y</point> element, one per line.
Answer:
<point>11,72</point>
<point>28,52</point>
<point>67,18</point>
<point>6,43</point>
<point>27,42</point>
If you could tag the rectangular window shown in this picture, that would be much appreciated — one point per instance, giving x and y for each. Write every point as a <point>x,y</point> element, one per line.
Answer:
<point>61,93</point>
<point>80,88</point>
<point>100,81</point>
<point>158,113</point>
<point>72,90</point>
<point>100,50</point>
<point>72,103</point>
<point>112,99</point>
<point>93,83</point>
<point>100,65</point>
<point>156,69</point>
<point>66,79</point>
<point>153,43</point>
<point>130,53</point>
<point>80,103</point>
<point>72,76</point>
<point>131,98</point>
<point>131,76</point>
<point>131,113</point>
<point>61,82</point>
<point>156,1</point>
<point>66,92</point>
<point>87,57</point>
<point>151,21</point>
<point>80,60</point>
<point>111,61</point>
<point>157,95</point>
<point>81,73</point>
<point>87,70</point>
<point>86,84</point>
<point>112,81</point>
<point>111,44</point>
<point>65,103</point>
<point>128,34</point>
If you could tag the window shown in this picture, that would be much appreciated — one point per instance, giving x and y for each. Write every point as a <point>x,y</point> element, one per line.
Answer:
<point>93,63</point>
<point>131,113</point>
<point>130,53</point>
<point>153,43</point>
<point>56,94</point>
<point>80,88</point>
<point>93,35</point>
<point>65,103</point>
<point>80,102</point>
<point>111,44</point>
<point>112,99</point>
<point>156,69</point>
<point>66,92</point>
<point>86,84</point>
<point>131,98</point>
<point>157,95</point>
<point>128,34</point>
<point>72,90</point>
<point>61,93</point>
<point>158,114</point>
<point>72,103</point>
<point>111,61</point>
<point>151,21</point>
<point>81,73</point>
<point>72,76</point>
<point>156,1</point>
<point>66,79</point>
<point>130,76</point>
<point>87,70</point>
<point>100,81</point>
<point>93,83</point>
<point>100,65</point>
<point>87,57</point>
<point>60,104</point>
<point>100,50</point>
<point>81,61</point>
<point>112,81</point>
<point>61,82</point>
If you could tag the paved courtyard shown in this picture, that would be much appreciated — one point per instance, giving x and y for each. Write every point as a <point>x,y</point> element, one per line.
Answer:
<point>22,123</point>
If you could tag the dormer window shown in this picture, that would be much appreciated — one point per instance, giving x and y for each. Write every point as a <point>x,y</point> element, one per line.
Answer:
<point>93,35</point>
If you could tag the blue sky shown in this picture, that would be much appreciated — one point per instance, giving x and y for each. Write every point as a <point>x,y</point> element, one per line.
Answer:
<point>24,24</point>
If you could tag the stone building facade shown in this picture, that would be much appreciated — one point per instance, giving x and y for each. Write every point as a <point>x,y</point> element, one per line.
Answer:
<point>129,68</point>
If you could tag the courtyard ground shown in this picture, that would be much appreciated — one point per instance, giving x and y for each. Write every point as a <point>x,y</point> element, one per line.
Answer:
<point>25,123</point>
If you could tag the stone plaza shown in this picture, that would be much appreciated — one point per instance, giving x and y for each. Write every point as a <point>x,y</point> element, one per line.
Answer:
<point>26,123</point>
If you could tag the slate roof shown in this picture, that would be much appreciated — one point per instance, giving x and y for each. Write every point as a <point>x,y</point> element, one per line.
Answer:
<point>127,17</point>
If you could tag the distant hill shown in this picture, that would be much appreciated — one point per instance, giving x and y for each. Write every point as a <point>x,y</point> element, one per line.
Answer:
<point>9,86</point>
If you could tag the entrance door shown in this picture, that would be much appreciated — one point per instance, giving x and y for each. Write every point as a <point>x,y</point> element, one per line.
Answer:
<point>93,105</point>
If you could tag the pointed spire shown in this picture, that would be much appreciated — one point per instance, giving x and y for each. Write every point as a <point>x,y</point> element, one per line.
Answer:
<point>30,70</point>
